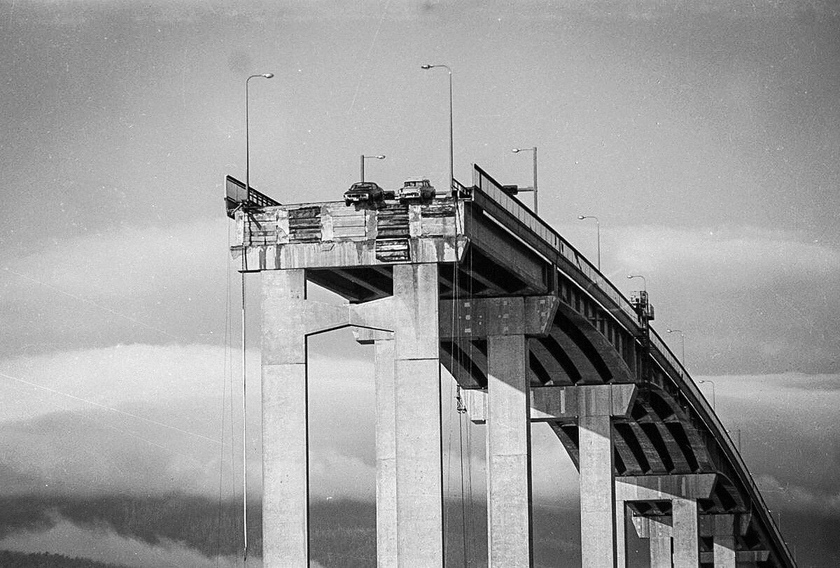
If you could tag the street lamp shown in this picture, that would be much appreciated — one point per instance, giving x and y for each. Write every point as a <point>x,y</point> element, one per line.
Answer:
<point>534,189</point>
<point>598,228</point>
<point>244,369</point>
<point>451,135</point>
<point>247,148</point>
<point>644,282</point>
<point>362,162</point>
<point>682,336</point>
<point>713,389</point>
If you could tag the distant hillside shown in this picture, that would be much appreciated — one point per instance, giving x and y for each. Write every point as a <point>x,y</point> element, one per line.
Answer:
<point>10,559</point>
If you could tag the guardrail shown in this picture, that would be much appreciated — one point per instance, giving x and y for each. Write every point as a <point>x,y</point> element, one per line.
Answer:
<point>713,423</point>
<point>493,190</point>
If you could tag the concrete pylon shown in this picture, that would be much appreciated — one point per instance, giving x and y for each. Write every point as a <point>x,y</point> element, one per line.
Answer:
<point>508,453</point>
<point>660,546</point>
<point>683,491</point>
<point>723,541</point>
<point>288,317</point>
<point>597,404</point>
<point>417,418</point>
<point>386,455</point>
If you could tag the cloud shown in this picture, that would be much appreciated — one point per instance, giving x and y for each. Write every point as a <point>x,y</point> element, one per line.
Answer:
<point>125,285</point>
<point>727,259</point>
<point>104,545</point>
<point>122,262</point>
<point>801,498</point>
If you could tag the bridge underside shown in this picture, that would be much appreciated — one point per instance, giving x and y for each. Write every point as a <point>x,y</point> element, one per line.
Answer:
<point>487,251</point>
<point>657,438</point>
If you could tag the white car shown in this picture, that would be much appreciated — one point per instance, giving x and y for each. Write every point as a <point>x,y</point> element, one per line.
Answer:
<point>416,189</point>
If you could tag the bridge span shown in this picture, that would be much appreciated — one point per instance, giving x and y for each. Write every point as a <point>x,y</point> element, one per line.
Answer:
<point>531,331</point>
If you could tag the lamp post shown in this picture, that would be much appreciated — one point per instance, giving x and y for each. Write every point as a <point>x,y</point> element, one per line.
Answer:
<point>644,282</point>
<point>713,390</point>
<point>598,229</point>
<point>244,344</point>
<point>247,142</point>
<point>362,162</point>
<point>682,336</point>
<point>534,189</point>
<point>451,134</point>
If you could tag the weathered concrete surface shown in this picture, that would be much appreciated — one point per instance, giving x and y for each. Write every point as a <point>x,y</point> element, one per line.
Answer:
<point>683,492</point>
<point>556,403</point>
<point>386,456</point>
<point>596,407</point>
<point>508,452</point>
<point>285,450</point>
<point>419,459</point>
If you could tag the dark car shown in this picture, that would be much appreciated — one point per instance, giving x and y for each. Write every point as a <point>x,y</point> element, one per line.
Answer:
<point>363,191</point>
<point>417,189</point>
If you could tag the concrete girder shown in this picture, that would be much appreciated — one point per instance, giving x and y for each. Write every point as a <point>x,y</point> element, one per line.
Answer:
<point>589,374</point>
<point>552,404</point>
<point>558,376</point>
<point>689,454</point>
<point>480,318</point>
<point>652,455</point>
<point>619,369</point>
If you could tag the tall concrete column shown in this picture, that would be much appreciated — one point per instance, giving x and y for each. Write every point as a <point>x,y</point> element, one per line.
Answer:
<point>419,460</point>
<point>660,545</point>
<point>386,456</point>
<point>723,541</point>
<point>683,491</point>
<point>508,453</point>
<point>686,533</point>
<point>596,406</point>
<point>284,420</point>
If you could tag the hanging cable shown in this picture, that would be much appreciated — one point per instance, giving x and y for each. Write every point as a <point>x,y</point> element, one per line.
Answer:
<point>244,415</point>
<point>244,434</point>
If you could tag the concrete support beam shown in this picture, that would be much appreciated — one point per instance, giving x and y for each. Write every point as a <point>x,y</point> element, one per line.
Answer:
<point>508,453</point>
<point>478,318</point>
<point>660,545</point>
<point>686,536</point>
<point>596,405</point>
<point>683,492</point>
<point>550,404</point>
<point>723,541</point>
<point>284,417</point>
<point>386,456</point>
<point>418,451</point>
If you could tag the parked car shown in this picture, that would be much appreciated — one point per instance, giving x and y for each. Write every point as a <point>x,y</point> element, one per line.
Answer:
<point>363,191</point>
<point>417,189</point>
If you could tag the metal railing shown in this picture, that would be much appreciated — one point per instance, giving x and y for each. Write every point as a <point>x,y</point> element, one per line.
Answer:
<point>489,188</point>
<point>714,425</point>
<point>493,190</point>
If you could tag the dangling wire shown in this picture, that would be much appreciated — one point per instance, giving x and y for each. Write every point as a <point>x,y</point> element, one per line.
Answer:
<point>244,428</point>
<point>244,409</point>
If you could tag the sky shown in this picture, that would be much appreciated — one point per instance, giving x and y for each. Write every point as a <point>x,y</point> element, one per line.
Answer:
<point>704,136</point>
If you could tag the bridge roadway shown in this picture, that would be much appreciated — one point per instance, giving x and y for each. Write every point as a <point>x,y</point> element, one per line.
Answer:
<point>532,331</point>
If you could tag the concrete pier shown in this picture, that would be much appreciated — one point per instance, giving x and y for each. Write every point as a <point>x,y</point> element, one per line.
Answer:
<point>419,458</point>
<point>508,453</point>
<point>683,492</point>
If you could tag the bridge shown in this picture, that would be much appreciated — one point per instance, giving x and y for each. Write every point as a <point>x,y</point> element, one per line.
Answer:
<point>532,332</point>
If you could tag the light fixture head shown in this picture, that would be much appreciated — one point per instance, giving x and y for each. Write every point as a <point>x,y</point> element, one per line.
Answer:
<point>380,156</point>
<point>581,217</point>
<point>268,75</point>
<point>426,66</point>
<point>516,150</point>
